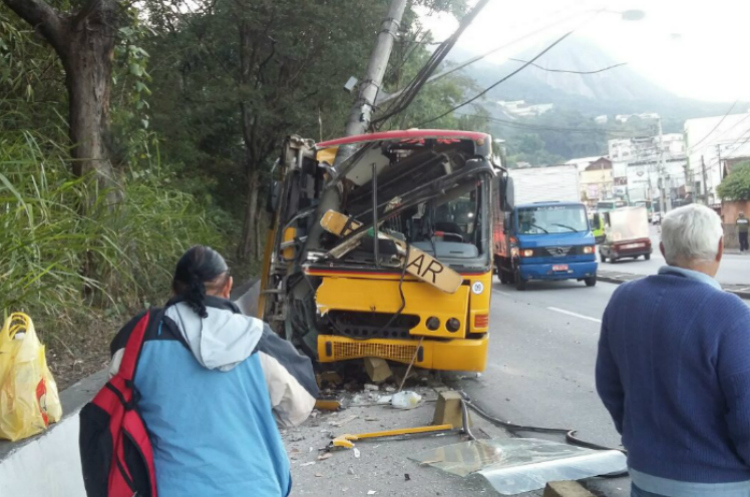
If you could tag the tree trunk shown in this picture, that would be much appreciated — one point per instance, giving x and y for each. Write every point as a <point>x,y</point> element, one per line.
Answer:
<point>88,63</point>
<point>251,209</point>
<point>259,236</point>
<point>85,42</point>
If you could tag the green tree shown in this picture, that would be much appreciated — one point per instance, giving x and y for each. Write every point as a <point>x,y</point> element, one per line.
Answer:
<point>84,34</point>
<point>232,79</point>
<point>736,186</point>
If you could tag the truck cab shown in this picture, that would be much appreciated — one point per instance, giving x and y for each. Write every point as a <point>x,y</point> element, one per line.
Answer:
<point>627,235</point>
<point>547,241</point>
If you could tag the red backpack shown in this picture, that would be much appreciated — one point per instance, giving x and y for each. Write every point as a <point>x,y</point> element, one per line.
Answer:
<point>116,453</point>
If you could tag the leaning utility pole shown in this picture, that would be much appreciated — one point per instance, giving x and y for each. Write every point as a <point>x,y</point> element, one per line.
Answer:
<point>361,113</point>
<point>705,181</point>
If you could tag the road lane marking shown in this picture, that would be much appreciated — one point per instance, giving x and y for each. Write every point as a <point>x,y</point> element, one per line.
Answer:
<point>502,293</point>
<point>581,316</point>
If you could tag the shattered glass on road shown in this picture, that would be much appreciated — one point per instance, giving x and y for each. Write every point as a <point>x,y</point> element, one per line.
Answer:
<point>518,465</point>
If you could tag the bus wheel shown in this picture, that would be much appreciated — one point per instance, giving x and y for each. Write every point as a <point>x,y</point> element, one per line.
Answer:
<point>520,282</point>
<point>590,281</point>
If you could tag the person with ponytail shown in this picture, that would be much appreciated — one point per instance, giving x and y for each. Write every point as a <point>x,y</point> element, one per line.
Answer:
<point>214,387</point>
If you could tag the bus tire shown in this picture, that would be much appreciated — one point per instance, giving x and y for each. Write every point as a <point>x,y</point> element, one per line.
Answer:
<point>647,257</point>
<point>590,281</point>
<point>520,282</point>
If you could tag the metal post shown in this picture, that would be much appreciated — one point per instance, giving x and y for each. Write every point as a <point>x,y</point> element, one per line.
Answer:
<point>361,114</point>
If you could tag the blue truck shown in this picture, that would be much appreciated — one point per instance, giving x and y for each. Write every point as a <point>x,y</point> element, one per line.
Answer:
<point>545,240</point>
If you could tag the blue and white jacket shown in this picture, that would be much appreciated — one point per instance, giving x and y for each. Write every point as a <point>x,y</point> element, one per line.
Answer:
<point>213,391</point>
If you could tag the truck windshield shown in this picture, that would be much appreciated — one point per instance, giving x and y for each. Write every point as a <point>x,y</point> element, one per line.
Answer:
<point>552,219</point>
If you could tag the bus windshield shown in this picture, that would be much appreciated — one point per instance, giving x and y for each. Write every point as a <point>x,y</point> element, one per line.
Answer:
<point>552,219</point>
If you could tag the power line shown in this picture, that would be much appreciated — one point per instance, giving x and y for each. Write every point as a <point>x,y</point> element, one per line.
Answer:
<point>573,72</point>
<point>482,56</point>
<point>715,127</point>
<point>437,57</point>
<point>506,78</point>
<point>541,127</point>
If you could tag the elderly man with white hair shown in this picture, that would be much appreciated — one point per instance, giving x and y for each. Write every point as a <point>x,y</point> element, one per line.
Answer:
<point>673,368</point>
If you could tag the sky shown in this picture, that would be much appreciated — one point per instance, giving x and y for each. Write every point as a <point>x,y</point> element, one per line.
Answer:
<point>696,49</point>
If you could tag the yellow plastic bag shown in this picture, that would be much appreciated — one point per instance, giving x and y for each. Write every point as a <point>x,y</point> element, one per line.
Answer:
<point>29,401</point>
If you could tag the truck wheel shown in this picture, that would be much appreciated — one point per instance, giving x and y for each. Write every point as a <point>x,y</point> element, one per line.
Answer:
<point>647,257</point>
<point>520,282</point>
<point>590,281</point>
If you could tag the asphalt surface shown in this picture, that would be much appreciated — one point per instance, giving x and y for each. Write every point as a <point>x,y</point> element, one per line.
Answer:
<point>541,361</point>
<point>734,269</point>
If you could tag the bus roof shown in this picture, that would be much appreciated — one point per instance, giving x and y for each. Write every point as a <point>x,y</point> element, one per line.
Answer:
<point>412,134</point>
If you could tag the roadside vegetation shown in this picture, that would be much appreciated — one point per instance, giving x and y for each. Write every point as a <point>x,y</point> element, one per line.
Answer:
<point>108,173</point>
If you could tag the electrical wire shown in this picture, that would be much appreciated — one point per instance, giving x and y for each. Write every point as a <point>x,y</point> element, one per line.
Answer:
<point>437,57</point>
<point>535,127</point>
<point>506,45</point>
<point>715,127</point>
<point>506,78</point>
<point>597,71</point>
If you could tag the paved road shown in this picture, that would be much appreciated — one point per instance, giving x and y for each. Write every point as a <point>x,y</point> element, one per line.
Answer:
<point>734,269</point>
<point>541,362</point>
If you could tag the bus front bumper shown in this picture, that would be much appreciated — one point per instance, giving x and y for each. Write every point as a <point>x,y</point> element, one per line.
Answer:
<point>452,355</point>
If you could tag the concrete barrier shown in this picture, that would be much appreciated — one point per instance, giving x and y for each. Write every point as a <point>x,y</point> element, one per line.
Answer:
<point>49,464</point>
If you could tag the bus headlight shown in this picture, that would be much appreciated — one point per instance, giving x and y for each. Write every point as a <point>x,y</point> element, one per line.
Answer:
<point>588,250</point>
<point>527,253</point>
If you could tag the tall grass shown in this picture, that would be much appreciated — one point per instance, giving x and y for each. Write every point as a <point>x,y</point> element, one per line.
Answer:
<point>45,240</point>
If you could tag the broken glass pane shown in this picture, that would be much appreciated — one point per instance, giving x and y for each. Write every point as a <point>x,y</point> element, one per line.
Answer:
<point>517,465</point>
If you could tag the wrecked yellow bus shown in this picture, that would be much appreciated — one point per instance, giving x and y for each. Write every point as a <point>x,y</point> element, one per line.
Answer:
<point>389,254</point>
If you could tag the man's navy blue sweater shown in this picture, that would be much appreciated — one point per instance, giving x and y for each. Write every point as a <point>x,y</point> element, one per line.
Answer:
<point>674,372</point>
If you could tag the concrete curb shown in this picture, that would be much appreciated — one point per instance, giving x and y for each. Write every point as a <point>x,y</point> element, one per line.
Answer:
<point>743,293</point>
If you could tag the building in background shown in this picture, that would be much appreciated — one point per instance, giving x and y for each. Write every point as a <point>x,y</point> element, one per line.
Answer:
<point>519,108</point>
<point>637,163</point>
<point>585,162</point>
<point>597,181</point>
<point>713,143</point>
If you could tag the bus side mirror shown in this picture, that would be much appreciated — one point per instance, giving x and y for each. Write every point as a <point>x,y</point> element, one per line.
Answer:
<point>597,221</point>
<point>274,193</point>
<point>507,222</point>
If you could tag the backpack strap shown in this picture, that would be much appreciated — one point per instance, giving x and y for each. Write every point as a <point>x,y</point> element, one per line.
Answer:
<point>133,348</point>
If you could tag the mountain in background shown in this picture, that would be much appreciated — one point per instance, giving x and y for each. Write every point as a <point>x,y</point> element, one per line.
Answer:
<point>621,90</point>
<point>569,130</point>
